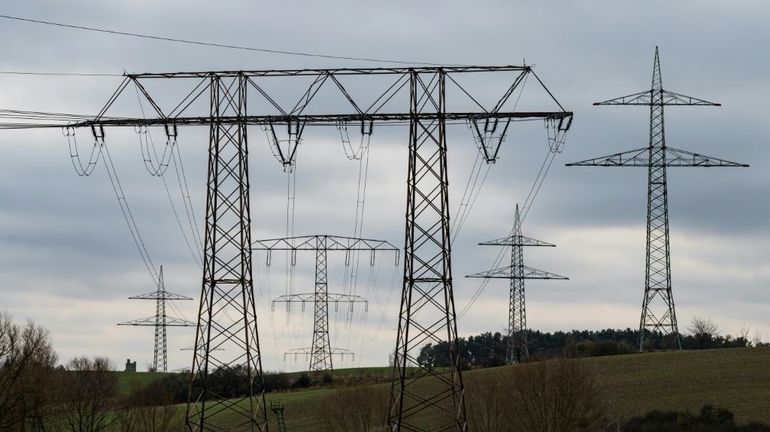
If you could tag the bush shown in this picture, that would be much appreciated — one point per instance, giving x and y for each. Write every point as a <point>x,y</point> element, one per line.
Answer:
<point>302,381</point>
<point>356,409</point>
<point>711,419</point>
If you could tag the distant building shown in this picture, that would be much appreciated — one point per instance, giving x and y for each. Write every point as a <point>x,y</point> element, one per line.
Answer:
<point>130,366</point>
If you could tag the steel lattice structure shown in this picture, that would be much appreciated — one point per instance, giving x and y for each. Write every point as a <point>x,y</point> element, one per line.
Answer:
<point>160,321</point>
<point>658,311</point>
<point>516,348</point>
<point>227,315</point>
<point>321,352</point>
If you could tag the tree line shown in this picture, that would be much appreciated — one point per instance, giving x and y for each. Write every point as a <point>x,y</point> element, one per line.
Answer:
<point>489,349</point>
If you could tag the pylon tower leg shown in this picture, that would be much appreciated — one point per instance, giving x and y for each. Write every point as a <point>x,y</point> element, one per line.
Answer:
<point>160,353</point>
<point>427,313</point>
<point>517,351</point>
<point>227,337</point>
<point>321,350</point>
<point>658,311</point>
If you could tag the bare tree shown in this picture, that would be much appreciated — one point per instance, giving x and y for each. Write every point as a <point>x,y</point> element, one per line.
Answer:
<point>26,366</point>
<point>87,390</point>
<point>556,396</point>
<point>488,406</point>
<point>745,331</point>
<point>700,327</point>
<point>356,409</point>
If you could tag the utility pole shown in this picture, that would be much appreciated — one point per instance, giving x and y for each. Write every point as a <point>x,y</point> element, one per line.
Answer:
<point>658,311</point>
<point>516,348</point>
<point>227,314</point>
<point>320,351</point>
<point>160,321</point>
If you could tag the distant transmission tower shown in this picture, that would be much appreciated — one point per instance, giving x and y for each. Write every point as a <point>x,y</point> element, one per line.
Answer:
<point>321,352</point>
<point>658,312</point>
<point>516,350</point>
<point>160,321</point>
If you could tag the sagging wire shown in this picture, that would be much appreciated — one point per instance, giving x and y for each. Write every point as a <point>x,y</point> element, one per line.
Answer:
<point>128,214</point>
<point>358,223</point>
<point>96,150</point>
<point>156,165</point>
<point>100,151</point>
<point>197,254</point>
<point>146,143</point>
<point>556,137</point>
<point>493,131</point>
<point>290,258</point>
<point>184,191</point>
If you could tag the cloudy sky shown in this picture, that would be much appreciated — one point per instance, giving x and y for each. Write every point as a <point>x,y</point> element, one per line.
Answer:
<point>67,260</point>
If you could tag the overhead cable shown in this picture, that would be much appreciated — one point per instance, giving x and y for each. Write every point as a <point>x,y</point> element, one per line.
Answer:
<point>209,44</point>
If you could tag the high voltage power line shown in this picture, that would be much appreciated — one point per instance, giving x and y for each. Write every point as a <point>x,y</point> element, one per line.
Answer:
<point>198,43</point>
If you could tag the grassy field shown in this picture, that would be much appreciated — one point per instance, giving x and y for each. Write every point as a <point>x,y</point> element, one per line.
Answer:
<point>737,379</point>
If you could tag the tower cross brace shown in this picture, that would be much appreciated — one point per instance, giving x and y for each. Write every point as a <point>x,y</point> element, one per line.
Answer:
<point>658,311</point>
<point>160,321</point>
<point>517,349</point>
<point>321,352</point>
<point>227,314</point>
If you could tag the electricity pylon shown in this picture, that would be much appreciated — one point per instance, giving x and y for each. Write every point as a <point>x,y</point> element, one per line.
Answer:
<point>516,348</point>
<point>416,96</point>
<point>160,321</point>
<point>321,351</point>
<point>658,311</point>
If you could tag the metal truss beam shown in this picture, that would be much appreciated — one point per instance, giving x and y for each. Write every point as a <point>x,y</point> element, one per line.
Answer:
<point>673,158</point>
<point>658,97</point>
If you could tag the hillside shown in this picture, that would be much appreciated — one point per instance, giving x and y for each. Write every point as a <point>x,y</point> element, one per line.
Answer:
<point>737,379</point>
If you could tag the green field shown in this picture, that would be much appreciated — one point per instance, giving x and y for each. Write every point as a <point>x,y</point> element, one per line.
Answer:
<point>737,379</point>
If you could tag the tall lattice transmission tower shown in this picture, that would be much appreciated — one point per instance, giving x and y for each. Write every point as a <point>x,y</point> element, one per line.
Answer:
<point>516,348</point>
<point>658,312</point>
<point>428,100</point>
<point>321,352</point>
<point>160,321</point>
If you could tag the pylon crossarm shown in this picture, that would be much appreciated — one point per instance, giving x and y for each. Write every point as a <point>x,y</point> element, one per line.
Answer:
<point>332,243</point>
<point>641,98</point>
<point>516,240</point>
<point>634,158</point>
<point>311,297</point>
<point>317,119</point>
<point>682,158</point>
<point>646,98</point>
<point>509,273</point>
<point>160,295</point>
<point>674,158</point>
<point>152,321</point>
<point>342,352</point>
<point>674,98</point>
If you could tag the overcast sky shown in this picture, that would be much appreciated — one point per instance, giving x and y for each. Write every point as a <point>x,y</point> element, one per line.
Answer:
<point>67,260</point>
